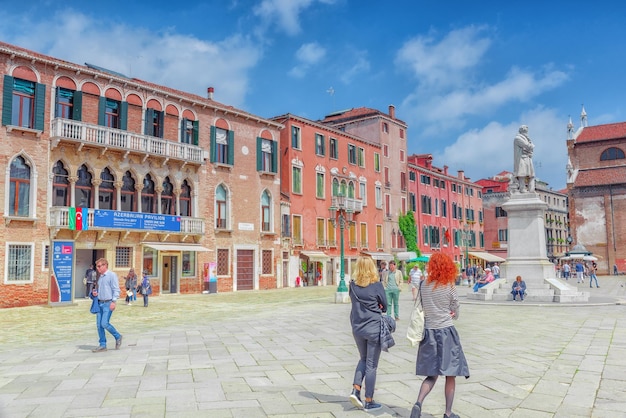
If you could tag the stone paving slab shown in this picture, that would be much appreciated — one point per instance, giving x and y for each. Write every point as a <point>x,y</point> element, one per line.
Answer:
<point>290,353</point>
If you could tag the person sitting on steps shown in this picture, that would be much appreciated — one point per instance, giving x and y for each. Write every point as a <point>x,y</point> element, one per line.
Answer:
<point>518,288</point>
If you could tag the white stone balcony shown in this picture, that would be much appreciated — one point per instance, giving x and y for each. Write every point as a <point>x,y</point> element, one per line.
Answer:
<point>108,138</point>
<point>59,219</point>
<point>350,204</point>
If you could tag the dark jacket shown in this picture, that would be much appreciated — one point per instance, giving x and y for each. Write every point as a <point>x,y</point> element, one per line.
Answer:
<point>367,305</point>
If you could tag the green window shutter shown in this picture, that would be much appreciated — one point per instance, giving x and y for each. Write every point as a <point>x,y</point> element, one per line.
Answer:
<point>148,128</point>
<point>77,112</point>
<point>40,106</point>
<point>196,129</point>
<point>259,153</point>
<point>231,147</point>
<point>183,123</point>
<point>7,100</point>
<point>213,150</point>
<point>274,157</point>
<point>102,106</point>
<point>124,116</point>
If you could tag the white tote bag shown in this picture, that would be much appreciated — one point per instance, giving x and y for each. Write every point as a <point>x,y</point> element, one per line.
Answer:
<point>415,332</point>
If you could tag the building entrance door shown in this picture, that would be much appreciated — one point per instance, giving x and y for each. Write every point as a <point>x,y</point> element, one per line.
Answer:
<point>170,274</point>
<point>245,269</point>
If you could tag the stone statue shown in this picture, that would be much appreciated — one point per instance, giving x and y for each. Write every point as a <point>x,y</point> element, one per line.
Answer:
<point>524,172</point>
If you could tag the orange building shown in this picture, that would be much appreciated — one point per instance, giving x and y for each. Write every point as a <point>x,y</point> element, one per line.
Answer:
<point>321,167</point>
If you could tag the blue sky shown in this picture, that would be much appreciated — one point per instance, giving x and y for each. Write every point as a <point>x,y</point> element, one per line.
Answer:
<point>463,75</point>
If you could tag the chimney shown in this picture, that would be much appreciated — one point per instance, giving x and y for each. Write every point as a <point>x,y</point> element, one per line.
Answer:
<point>445,170</point>
<point>209,93</point>
<point>461,174</point>
<point>392,111</point>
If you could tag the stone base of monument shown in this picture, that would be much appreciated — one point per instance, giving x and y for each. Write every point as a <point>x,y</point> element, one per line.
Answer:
<point>527,252</point>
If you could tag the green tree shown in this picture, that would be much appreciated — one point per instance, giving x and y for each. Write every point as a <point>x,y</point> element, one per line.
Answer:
<point>406,223</point>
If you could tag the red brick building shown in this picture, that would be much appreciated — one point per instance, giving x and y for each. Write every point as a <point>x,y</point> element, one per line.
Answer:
<point>448,211</point>
<point>320,163</point>
<point>596,185</point>
<point>98,164</point>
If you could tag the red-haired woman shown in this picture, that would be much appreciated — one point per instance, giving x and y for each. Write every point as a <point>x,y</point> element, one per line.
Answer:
<point>440,352</point>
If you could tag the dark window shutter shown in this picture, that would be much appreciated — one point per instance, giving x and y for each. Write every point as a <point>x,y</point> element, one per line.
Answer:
<point>274,157</point>
<point>183,123</point>
<point>124,116</point>
<point>40,106</point>
<point>161,116</point>
<point>77,112</point>
<point>102,106</point>
<point>231,147</point>
<point>148,128</point>
<point>7,100</point>
<point>213,150</point>
<point>196,129</point>
<point>259,153</point>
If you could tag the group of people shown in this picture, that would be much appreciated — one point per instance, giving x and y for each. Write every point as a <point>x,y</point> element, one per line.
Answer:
<point>104,289</point>
<point>580,270</point>
<point>440,352</point>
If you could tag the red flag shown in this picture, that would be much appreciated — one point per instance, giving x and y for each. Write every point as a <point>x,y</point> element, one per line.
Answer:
<point>79,220</point>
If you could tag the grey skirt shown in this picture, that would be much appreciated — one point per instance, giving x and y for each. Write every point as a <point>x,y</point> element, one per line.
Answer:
<point>440,354</point>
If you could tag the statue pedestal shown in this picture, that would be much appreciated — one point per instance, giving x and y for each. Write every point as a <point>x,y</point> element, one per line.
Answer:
<point>527,255</point>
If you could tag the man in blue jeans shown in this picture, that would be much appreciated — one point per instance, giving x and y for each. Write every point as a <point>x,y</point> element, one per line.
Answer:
<point>107,292</point>
<point>392,284</point>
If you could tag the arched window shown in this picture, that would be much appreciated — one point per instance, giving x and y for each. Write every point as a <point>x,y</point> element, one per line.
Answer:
<point>60,185</point>
<point>266,213</point>
<point>344,188</point>
<point>84,189</point>
<point>128,193</point>
<point>167,198</point>
<point>221,207</point>
<point>148,198</point>
<point>106,191</point>
<point>335,187</point>
<point>185,199</point>
<point>351,190</point>
<point>19,194</point>
<point>612,154</point>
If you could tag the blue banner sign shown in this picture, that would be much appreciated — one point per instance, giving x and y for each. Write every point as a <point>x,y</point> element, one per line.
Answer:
<point>134,220</point>
<point>62,267</point>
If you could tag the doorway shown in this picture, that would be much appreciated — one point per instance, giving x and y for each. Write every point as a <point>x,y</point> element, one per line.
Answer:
<point>170,274</point>
<point>84,257</point>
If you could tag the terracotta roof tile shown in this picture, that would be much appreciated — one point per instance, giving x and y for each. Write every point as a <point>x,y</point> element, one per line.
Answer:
<point>598,177</point>
<point>354,113</point>
<point>602,132</point>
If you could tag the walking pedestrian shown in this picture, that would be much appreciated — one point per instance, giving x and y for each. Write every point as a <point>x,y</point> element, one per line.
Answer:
<point>592,274</point>
<point>392,283</point>
<point>440,352</point>
<point>107,291</point>
<point>416,277</point>
<point>368,303</point>
<point>146,288</point>
<point>566,270</point>
<point>580,271</point>
<point>90,280</point>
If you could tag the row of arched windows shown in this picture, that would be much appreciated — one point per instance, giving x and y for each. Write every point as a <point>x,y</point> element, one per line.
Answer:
<point>129,197</point>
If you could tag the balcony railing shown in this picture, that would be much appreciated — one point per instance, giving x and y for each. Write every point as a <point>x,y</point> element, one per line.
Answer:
<point>351,204</point>
<point>59,218</point>
<point>85,133</point>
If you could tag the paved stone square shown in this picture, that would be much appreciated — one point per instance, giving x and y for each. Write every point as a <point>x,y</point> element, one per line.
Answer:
<point>290,353</point>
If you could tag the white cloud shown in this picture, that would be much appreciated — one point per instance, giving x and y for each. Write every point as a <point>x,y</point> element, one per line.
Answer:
<point>307,56</point>
<point>286,13</point>
<point>484,152</point>
<point>360,64</point>
<point>444,63</point>
<point>179,61</point>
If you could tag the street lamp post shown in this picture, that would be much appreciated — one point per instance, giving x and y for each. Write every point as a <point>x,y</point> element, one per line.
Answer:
<point>466,237</point>
<point>339,214</point>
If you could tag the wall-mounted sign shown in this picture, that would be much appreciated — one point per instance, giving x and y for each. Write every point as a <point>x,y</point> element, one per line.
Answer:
<point>134,220</point>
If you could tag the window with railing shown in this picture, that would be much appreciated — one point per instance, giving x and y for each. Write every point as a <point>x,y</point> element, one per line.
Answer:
<point>19,262</point>
<point>60,185</point>
<point>123,257</point>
